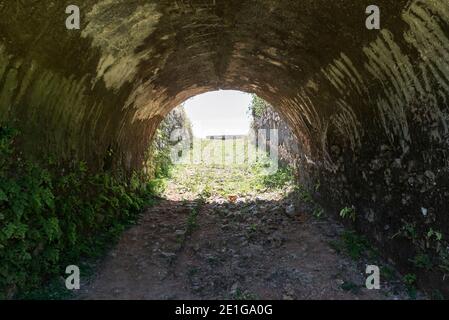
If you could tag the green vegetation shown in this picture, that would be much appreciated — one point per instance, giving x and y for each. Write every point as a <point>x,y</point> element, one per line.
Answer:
<point>348,213</point>
<point>244,295</point>
<point>422,261</point>
<point>304,195</point>
<point>216,172</point>
<point>318,212</point>
<point>280,178</point>
<point>52,216</point>
<point>159,165</point>
<point>350,286</point>
<point>431,247</point>
<point>434,235</point>
<point>354,245</point>
<point>437,295</point>
<point>258,106</point>
<point>387,272</point>
<point>444,261</point>
<point>410,282</point>
<point>192,221</point>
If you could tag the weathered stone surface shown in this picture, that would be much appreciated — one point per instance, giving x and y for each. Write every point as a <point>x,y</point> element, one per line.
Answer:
<point>288,149</point>
<point>369,107</point>
<point>175,125</point>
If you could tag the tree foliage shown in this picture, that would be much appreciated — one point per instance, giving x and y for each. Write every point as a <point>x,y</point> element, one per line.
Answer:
<point>258,106</point>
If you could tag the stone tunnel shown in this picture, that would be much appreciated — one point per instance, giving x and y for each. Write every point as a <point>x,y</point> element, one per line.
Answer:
<point>369,107</point>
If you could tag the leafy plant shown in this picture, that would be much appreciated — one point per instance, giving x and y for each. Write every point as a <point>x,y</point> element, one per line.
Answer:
<point>244,295</point>
<point>52,215</point>
<point>410,282</point>
<point>410,279</point>
<point>352,244</point>
<point>422,261</point>
<point>443,259</point>
<point>432,234</point>
<point>348,213</point>
<point>437,295</point>
<point>387,272</point>
<point>350,286</point>
<point>278,179</point>
<point>304,195</point>
<point>258,106</point>
<point>408,230</point>
<point>192,221</point>
<point>318,212</point>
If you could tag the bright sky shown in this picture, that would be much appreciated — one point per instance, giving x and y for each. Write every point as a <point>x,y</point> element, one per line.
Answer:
<point>219,112</point>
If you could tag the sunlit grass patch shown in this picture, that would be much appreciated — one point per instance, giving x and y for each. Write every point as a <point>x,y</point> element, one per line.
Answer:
<point>229,167</point>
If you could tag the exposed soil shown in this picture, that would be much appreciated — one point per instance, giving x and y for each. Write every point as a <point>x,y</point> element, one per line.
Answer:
<point>251,246</point>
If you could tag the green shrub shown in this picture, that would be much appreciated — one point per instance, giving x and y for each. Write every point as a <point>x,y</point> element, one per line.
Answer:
<point>348,213</point>
<point>353,245</point>
<point>258,106</point>
<point>50,217</point>
<point>280,178</point>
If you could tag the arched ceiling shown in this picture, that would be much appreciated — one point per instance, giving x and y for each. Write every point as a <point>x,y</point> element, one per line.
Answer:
<point>111,82</point>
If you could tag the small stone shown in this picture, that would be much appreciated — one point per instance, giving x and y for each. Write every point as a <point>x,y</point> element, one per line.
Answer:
<point>424,212</point>
<point>370,216</point>
<point>180,232</point>
<point>290,210</point>
<point>168,254</point>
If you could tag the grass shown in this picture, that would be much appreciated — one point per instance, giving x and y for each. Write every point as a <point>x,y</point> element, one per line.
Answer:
<point>348,213</point>
<point>354,245</point>
<point>244,295</point>
<point>192,221</point>
<point>218,172</point>
<point>410,282</point>
<point>422,261</point>
<point>350,286</point>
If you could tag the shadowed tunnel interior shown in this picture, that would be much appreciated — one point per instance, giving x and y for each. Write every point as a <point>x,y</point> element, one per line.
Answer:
<point>369,107</point>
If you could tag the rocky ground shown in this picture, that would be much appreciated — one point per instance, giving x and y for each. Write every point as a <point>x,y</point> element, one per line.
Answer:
<point>226,233</point>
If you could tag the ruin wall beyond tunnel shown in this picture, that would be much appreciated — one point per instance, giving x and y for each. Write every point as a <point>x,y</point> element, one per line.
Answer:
<point>369,107</point>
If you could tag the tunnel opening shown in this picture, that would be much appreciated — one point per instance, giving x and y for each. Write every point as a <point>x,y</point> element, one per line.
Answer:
<point>232,223</point>
<point>231,131</point>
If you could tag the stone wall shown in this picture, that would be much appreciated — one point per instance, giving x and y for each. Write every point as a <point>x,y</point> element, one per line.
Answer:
<point>174,126</point>
<point>288,146</point>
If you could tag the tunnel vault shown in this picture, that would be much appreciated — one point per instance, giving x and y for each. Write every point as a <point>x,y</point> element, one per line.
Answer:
<point>369,107</point>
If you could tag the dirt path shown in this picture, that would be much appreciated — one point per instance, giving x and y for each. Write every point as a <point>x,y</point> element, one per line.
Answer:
<point>201,244</point>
